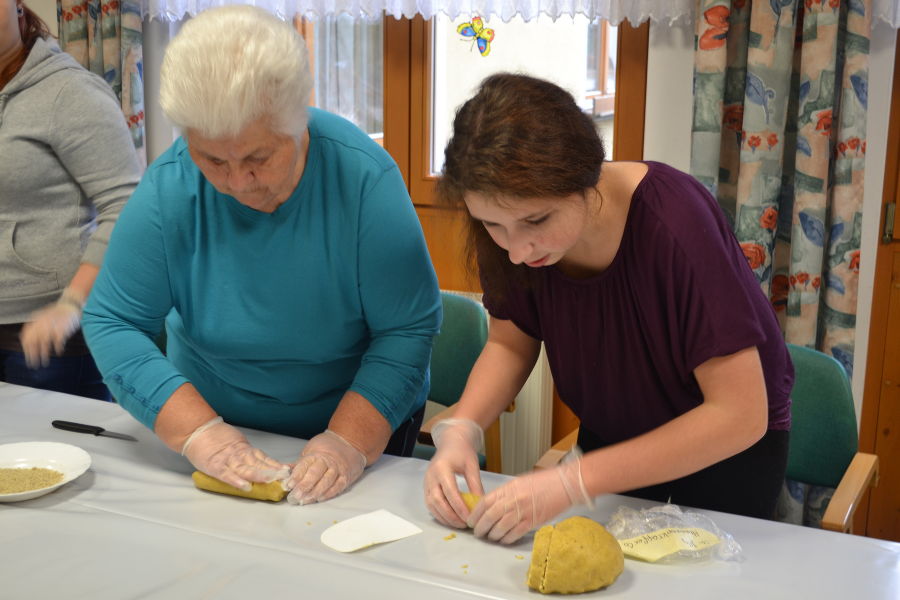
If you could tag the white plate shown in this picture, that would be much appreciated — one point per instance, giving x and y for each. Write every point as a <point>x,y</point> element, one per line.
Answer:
<point>69,460</point>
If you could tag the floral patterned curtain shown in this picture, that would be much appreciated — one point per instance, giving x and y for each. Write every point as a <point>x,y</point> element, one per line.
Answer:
<point>105,37</point>
<point>779,136</point>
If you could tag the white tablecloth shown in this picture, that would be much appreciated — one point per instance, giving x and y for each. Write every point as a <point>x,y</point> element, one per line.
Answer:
<point>134,526</point>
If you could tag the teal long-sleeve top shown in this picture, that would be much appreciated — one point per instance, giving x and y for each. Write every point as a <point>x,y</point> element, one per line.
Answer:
<point>272,317</point>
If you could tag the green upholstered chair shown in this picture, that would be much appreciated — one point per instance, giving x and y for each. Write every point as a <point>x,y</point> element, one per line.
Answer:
<point>824,440</point>
<point>456,348</point>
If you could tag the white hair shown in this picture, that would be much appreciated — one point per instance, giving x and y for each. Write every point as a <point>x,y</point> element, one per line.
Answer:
<point>232,65</point>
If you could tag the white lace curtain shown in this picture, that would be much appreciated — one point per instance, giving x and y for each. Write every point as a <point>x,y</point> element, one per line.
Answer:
<point>615,11</point>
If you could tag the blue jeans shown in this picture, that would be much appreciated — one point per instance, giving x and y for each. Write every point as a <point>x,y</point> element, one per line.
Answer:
<point>76,375</point>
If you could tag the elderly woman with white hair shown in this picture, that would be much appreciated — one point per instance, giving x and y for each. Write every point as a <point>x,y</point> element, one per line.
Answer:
<point>279,247</point>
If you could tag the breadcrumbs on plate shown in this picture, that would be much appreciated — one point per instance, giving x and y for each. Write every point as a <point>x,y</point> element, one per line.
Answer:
<point>14,481</point>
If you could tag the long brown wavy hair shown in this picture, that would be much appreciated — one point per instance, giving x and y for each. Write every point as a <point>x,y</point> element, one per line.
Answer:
<point>518,137</point>
<point>31,27</point>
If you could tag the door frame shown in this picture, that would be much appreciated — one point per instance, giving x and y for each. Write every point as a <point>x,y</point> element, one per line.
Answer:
<point>881,291</point>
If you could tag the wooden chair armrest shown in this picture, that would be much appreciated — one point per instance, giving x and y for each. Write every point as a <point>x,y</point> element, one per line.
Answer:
<point>493,450</point>
<point>862,473</point>
<point>551,457</point>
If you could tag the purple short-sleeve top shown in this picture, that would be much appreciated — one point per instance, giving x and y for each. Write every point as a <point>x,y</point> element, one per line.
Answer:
<point>623,345</point>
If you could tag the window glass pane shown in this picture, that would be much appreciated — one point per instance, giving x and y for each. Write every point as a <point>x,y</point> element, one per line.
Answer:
<point>594,56</point>
<point>346,56</point>
<point>466,50</point>
<point>612,43</point>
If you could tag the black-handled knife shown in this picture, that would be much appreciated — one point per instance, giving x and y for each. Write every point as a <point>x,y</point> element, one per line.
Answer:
<point>92,429</point>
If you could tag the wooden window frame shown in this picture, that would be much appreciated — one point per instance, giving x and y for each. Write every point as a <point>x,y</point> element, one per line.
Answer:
<point>407,136</point>
<point>602,101</point>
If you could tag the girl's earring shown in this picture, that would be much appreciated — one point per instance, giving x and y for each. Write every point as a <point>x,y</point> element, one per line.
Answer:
<point>20,10</point>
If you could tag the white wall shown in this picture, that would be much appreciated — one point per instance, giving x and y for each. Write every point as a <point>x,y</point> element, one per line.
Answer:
<point>668,128</point>
<point>45,9</point>
<point>670,73</point>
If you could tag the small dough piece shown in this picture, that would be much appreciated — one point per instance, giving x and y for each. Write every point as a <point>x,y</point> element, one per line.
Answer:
<point>577,555</point>
<point>272,491</point>
<point>470,499</point>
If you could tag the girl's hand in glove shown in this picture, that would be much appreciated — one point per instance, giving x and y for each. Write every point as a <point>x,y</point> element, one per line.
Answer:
<point>328,465</point>
<point>457,442</point>
<point>50,328</point>
<point>528,501</point>
<point>221,451</point>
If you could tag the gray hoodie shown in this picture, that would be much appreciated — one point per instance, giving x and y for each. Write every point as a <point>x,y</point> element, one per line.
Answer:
<point>67,166</point>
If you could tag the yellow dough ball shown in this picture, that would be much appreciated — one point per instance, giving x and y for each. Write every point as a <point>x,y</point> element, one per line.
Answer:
<point>470,499</point>
<point>271,491</point>
<point>577,555</point>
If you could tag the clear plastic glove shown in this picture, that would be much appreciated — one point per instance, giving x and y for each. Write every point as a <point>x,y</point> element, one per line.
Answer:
<point>457,442</point>
<point>221,451</point>
<point>528,501</point>
<point>328,465</point>
<point>50,328</point>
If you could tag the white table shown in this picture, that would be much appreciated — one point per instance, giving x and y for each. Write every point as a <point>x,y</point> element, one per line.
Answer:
<point>134,526</point>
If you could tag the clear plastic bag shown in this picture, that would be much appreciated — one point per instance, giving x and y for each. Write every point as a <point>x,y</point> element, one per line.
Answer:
<point>666,534</point>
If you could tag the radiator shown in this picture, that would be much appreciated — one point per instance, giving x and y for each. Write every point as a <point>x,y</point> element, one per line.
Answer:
<point>526,432</point>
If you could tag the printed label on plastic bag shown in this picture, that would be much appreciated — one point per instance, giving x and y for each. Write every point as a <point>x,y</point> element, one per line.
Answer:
<point>658,544</point>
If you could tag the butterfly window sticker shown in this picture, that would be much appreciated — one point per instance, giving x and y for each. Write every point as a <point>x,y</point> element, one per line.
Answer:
<point>478,33</point>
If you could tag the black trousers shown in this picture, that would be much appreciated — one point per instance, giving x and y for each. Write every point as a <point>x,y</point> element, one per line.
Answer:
<point>403,440</point>
<point>746,484</point>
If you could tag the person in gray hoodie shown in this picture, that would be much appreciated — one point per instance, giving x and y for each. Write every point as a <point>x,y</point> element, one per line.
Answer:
<point>67,167</point>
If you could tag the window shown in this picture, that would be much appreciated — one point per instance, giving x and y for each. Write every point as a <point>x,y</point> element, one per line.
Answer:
<point>541,47</point>
<point>409,84</point>
<point>601,66</point>
<point>346,60</point>
<point>401,81</point>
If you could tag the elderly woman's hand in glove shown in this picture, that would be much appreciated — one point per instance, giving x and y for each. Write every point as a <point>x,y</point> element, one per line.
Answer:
<point>328,465</point>
<point>222,451</point>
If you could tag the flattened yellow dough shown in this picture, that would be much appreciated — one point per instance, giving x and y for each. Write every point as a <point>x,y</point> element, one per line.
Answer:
<point>577,555</point>
<point>271,491</point>
<point>470,499</point>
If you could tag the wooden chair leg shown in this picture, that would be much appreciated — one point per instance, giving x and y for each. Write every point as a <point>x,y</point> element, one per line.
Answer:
<point>492,448</point>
